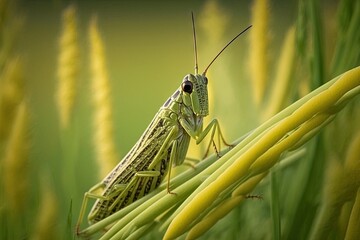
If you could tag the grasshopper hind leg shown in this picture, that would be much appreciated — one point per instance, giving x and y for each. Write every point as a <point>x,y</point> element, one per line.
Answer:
<point>131,187</point>
<point>92,194</point>
<point>89,194</point>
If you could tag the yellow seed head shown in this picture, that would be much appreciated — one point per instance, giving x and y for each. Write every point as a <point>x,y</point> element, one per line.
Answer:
<point>259,42</point>
<point>214,216</point>
<point>210,21</point>
<point>11,94</point>
<point>353,230</point>
<point>48,214</point>
<point>283,75</point>
<point>352,163</point>
<point>15,164</point>
<point>225,207</point>
<point>343,180</point>
<point>103,125</point>
<point>341,187</point>
<point>68,66</point>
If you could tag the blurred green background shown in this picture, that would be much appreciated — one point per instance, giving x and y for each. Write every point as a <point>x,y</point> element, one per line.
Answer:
<point>148,50</point>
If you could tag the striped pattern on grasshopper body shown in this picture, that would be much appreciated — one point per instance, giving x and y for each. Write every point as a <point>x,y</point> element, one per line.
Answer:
<point>163,144</point>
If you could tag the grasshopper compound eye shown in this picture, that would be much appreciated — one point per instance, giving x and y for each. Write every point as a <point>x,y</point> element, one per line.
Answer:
<point>187,86</point>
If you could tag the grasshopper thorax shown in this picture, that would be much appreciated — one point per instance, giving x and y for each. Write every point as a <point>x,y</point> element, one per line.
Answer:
<point>195,94</point>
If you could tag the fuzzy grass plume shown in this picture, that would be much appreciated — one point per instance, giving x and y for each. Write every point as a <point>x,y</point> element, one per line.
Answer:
<point>103,125</point>
<point>11,95</point>
<point>16,164</point>
<point>259,44</point>
<point>342,186</point>
<point>68,66</point>
<point>48,214</point>
<point>282,83</point>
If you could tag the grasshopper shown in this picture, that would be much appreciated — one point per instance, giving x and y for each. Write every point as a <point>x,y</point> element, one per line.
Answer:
<point>164,144</point>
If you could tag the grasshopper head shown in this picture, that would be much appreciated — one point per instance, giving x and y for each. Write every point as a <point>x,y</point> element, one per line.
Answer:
<point>195,94</point>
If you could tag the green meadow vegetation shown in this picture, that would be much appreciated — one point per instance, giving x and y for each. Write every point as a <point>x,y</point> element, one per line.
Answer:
<point>80,81</point>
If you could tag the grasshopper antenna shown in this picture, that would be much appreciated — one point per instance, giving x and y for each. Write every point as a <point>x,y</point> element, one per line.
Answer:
<point>195,45</point>
<point>232,40</point>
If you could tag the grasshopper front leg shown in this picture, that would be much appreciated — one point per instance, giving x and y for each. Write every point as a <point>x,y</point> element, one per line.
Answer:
<point>213,126</point>
<point>198,134</point>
